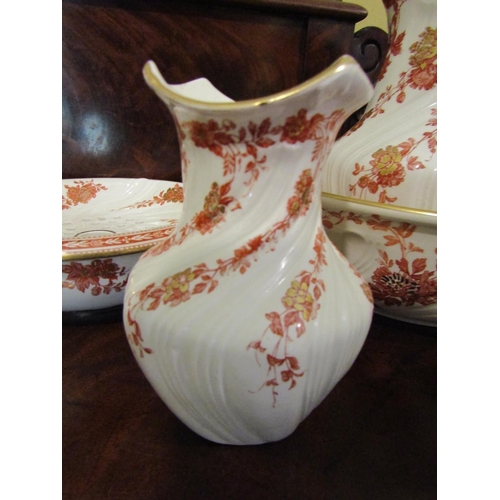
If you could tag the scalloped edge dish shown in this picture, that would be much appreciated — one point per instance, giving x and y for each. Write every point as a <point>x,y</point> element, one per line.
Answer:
<point>107,223</point>
<point>116,216</point>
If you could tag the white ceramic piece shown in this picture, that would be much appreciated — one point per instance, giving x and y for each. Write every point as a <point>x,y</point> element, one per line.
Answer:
<point>247,316</point>
<point>390,156</point>
<point>395,250</point>
<point>107,223</point>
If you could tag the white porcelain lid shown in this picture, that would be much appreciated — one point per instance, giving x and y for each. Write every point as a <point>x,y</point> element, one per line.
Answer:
<point>114,216</point>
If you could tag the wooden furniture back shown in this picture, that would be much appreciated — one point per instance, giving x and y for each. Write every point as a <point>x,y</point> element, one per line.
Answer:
<point>113,124</point>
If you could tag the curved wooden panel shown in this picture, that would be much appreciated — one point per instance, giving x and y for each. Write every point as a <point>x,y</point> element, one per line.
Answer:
<point>369,48</point>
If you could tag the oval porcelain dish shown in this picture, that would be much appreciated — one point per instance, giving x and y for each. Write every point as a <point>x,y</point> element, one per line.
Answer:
<point>394,249</point>
<point>107,223</point>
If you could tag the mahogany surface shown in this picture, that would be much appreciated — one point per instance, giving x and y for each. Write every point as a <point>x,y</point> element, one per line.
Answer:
<point>373,437</point>
<point>115,126</point>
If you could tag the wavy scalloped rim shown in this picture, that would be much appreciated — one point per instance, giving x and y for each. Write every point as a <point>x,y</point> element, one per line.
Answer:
<point>114,216</point>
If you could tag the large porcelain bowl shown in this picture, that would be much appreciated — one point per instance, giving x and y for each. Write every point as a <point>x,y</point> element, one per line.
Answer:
<point>394,248</point>
<point>107,224</point>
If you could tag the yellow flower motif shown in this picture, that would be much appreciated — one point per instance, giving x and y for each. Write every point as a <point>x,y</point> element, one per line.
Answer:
<point>212,201</point>
<point>178,283</point>
<point>386,161</point>
<point>181,280</point>
<point>425,50</point>
<point>298,297</point>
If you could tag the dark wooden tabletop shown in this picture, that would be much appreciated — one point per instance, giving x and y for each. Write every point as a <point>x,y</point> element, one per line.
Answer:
<point>373,437</point>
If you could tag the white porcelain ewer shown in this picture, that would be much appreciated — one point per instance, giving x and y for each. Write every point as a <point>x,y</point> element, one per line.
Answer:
<point>247,316</point>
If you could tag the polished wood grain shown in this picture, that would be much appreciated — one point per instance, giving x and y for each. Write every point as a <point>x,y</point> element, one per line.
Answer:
<point>372,438</point>
<point>113,124</point>
<point>326,41</point>
<point>327,8</point>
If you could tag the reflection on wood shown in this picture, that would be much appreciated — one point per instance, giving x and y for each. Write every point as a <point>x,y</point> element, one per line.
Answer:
<point>113,124</point>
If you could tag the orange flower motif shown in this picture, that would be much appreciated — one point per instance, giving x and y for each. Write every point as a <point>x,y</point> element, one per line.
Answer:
<point>299,203</point>
<point>423,78</point>
<point>387,166</point>
<point>425,50</point>
<point>298,297</point>
<point>240,260</point>
<point>210,135</point>
<point>295,206</point>
<point>252,246</point>
<point>423,61</point>
<point>174,194</point>
<point>298,128</point>
<point>304,184</point>
<point>81,192</point>
<point>319,248</point>
<point>213,210</point>
<point>203,134</point>
<point>212,200</point>
<point>204,223</point>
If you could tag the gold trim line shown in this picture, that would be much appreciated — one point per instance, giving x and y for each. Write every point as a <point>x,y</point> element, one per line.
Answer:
<point>396,208</point>
<point>158,84</point>
<point>106,253</point>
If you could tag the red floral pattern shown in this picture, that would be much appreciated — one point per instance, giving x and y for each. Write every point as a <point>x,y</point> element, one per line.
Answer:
<point>396,281</point>
<point>139,240</point>
<point>135,337</point>
<point>395,38</point>
<point>214,208</point>
<point>300,305</point>
<point>423,73</point>
<point>221,139</point>
<point>299,203</point>
<point>80,193</point>
<point>224,140</point>
<point>299,129</point>
<point>422,64</point>
<point>174,194</point>
<point>84,277</point>
<point>201,278</point>
<point>390,164</point>
<point>403,281</point>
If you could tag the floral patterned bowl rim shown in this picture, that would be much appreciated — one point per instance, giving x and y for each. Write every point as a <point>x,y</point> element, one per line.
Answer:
<point>394,249</point>
<point>132,216</point>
